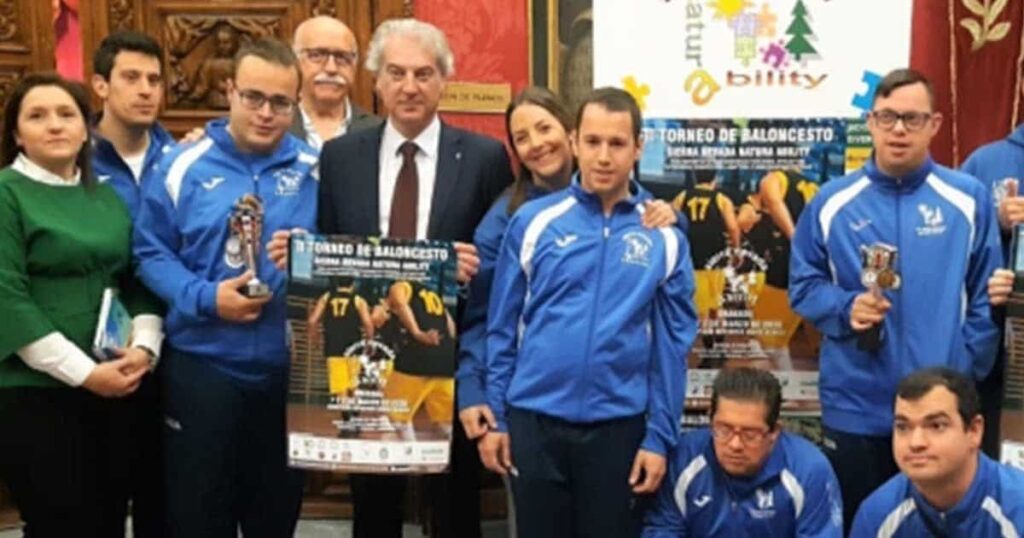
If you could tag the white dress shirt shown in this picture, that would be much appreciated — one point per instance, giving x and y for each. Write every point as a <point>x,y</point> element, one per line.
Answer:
<point>428,142</point>
<point>313,136</point>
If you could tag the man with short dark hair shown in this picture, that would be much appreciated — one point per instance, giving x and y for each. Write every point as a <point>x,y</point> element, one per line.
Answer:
<point>591,317</point>
<point>127,142</point>
<point>128,139</point>
<point>744,476</point>
<point>203,215</point>
<point>947,487</point>
<point>890,263</point>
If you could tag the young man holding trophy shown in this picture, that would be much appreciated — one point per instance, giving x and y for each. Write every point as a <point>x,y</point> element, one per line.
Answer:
<point>202,221</point>
<point>890,263</point>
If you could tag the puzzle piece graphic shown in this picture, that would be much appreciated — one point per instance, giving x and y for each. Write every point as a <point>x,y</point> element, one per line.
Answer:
<point>863,101</point>
<point>766,20</point>
<point>746,49</point>
<point>638,91</point>
<point>775,55</point>
<point>744,24</point>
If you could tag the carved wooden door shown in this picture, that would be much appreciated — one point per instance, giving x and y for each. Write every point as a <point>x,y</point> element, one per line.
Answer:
<point>26,40</point>
<point>199,37</point>
<point>26,45</point>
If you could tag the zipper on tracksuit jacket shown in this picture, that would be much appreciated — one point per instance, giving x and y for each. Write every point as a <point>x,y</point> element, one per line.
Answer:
<point>898,322</point>
<point>254,334</point>
<point>605,232</point>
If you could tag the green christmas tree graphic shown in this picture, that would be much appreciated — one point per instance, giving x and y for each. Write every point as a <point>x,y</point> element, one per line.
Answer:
<point>800,30</point>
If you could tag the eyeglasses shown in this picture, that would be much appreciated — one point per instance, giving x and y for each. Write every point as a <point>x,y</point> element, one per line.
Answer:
<point>724,433</point>
<point>341,57</point>
<point>254,100</point>
<point>886,119</point>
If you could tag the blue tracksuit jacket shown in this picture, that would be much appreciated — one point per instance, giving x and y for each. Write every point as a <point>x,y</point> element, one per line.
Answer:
<point>942,223</point>
<point>992,508</point>
<point>591,316</point>
<point>181,244</point>
<point>111,169</point>
<point>794,495</point>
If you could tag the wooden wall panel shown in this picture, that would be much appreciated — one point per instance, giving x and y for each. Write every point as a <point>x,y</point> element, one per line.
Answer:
<point>23,47</point>
<point>188,29</point>
<point>26,45</point>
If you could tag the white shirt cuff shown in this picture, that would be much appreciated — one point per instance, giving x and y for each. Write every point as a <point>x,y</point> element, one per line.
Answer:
<point>57,356</point>
<point>148,332</point>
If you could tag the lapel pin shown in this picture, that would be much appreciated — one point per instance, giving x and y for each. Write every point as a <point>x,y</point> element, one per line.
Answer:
<point>458,155</point>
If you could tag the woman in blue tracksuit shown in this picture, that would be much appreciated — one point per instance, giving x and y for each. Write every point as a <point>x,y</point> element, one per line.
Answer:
<point>538,125</point>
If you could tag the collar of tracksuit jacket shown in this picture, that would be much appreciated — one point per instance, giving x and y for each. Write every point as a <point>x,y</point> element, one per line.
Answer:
<point>902,184</point>
<point>968,507</point>
<point>592,201</point>
<point>286,150</point>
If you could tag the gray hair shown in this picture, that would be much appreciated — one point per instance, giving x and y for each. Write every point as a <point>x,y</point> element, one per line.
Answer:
<point>427,34</point>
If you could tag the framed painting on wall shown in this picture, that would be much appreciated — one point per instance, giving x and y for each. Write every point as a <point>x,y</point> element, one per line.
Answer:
<point>562,47</point>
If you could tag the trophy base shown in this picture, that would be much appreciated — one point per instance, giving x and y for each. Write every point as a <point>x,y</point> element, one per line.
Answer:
<point>254,288</point>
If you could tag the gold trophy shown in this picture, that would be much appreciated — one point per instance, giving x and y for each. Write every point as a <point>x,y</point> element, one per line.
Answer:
<point>246,224</point>
<point>878,273</point>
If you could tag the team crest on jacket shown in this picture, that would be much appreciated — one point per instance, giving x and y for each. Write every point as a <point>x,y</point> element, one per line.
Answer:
<point>765,505</point>
<point>932,217</point>
<point>288,182</point>
<point>638,249</point>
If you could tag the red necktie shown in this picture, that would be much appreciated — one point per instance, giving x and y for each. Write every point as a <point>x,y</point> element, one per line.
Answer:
<point>404,203</point>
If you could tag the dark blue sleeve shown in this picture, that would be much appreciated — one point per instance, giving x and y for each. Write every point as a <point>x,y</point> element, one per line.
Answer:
<point>981,336</point>
<point>673,330</point>
<point>664,519</point>
<point>504,311</point>
<point>156,243</point>
<point>868,519</point>
<point>472,371</point>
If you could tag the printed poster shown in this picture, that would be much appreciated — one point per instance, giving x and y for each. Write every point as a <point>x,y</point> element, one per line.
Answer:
<point>371,385</point>
<point>749,106</point>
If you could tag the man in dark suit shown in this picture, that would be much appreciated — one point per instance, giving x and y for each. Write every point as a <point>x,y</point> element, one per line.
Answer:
<point>413,177</point>
<point>328,55</point>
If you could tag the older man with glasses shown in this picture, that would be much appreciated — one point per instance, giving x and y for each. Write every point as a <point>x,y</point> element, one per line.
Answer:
<point>891,263</point>
<point>744,476</point>
<point>328,56</point>
<point>204,214</point>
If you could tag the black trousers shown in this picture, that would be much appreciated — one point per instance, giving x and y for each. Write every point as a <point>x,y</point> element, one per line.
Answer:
<point>68,458</point>
<point>991,391</point>
<point>226,454</point>
<point>862,463</point>
<point>573,478</point>
<point>453,498</point>
<point>145,482</point>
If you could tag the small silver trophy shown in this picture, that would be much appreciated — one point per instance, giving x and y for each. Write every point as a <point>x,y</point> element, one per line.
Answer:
<point>247,226</point>
<point>878,273</point>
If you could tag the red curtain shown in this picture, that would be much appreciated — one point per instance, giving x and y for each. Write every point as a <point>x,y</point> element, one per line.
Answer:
<point>68,36</point>
<point>972,51</point>
<point>490,40</point>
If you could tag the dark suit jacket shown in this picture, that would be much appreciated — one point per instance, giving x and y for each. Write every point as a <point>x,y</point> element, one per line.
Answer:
<point>472,170</point>
<point>361,119</point>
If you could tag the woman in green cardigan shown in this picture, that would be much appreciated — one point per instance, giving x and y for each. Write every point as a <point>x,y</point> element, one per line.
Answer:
<point>63,240</point>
